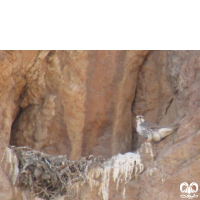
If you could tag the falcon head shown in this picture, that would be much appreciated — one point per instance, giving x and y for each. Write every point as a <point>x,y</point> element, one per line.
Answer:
<point>140,118</point>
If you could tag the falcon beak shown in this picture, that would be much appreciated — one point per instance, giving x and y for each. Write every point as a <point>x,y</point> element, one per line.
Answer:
<point>137,118</point>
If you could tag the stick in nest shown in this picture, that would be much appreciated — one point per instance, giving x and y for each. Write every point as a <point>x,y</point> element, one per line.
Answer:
<point>50,177</point>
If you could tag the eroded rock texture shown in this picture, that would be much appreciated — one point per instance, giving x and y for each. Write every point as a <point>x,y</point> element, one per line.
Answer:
<point>78,102</point>
<point>168,91</point>
<point>84,102</point>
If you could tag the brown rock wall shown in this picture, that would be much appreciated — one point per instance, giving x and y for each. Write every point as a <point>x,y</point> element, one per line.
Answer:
<point>84,102</point>
<point>12,82</point>
<point>168,91</point>
<point>74,102</point>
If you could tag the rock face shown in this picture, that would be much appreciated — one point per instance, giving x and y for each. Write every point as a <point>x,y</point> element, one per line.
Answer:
<point>168,91</point>
<point>84,102</point>
<point>78,103</point>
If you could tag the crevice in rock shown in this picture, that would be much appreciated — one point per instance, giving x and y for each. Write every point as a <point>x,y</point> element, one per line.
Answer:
<point>170,102</point>
<point>135,136</point>
<point>12,142</point>
<point>139,70</point>
<point>21,97</point>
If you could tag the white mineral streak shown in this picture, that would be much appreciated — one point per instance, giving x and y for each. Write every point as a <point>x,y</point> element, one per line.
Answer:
<point>61,198</point>
<point>94,174</point>
<point>37,198</point>
<point>104,187</point>
<point>11,161</point>
<point>77,189</point>
<point>92,182</point>
<point>152,170</point>
<point>162,174</point>
<point>148,148</point>
<point>7,157</point>
<point>124,193</point>
<point>23,196</point>
<point>15,190</point>
<point>15,168</point>
<point>124,166</point>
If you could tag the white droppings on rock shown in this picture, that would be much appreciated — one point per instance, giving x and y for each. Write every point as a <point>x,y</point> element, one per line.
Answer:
<point>123,168</point>
<point>152,170</point>
<point>124,193</point>
<point>105,182</point>
<point>11,162</point>
<point>148,149</point>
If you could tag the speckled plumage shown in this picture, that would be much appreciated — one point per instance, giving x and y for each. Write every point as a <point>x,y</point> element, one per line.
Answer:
<point>150,131</point>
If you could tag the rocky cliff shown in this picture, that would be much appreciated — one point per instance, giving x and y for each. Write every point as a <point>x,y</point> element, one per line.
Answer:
<point>78,103</point>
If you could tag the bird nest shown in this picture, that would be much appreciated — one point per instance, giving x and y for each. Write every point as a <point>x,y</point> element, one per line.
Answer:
<point>50,177</point>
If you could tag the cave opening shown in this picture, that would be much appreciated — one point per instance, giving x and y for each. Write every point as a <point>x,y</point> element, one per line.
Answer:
<point>12,134</point>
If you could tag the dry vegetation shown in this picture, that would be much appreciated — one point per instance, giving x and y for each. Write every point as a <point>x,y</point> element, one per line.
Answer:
<point>50,177</point>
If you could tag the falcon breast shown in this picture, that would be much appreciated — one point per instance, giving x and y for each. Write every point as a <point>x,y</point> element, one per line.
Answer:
<point>151,131</point>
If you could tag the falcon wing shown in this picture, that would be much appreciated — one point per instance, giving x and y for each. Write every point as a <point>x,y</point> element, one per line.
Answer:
<point>150,125</point>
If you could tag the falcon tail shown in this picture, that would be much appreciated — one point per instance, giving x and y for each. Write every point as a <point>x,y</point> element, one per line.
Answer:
<point>163,132</point>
